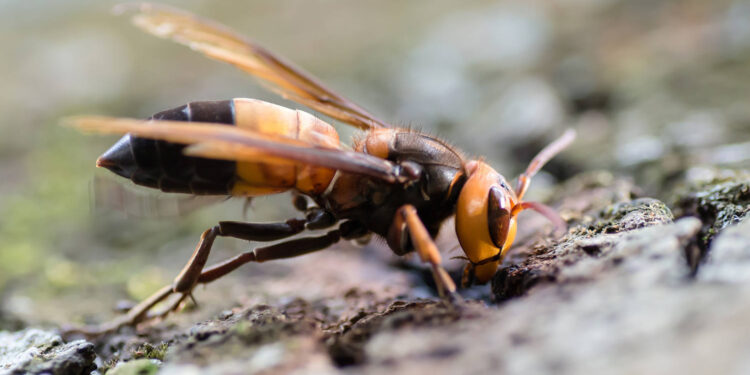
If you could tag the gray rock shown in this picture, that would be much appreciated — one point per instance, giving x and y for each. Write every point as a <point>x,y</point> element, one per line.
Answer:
<point>718,202</point>
<point>646,256</point>
<point>590,245</point>
<point>630,309</point>
<point>36,351</point>
<point>728,260</point>
<point>620,293</point>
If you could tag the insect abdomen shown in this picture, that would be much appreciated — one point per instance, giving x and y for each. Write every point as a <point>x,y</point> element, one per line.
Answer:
<point>254,178</point>
<point>162,165</point>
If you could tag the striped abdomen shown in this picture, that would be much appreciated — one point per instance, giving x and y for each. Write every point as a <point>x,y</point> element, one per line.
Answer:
<point>162,165</point>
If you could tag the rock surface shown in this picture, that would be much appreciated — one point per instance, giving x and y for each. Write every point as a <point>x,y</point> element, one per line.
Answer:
<point>719,202</point>
<point>627,290</point>
<point>33,351</point>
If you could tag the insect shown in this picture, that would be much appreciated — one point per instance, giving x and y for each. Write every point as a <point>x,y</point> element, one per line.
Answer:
<point>396,183</point>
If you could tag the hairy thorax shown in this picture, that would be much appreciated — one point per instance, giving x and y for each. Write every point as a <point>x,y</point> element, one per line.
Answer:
<point>375,202</point>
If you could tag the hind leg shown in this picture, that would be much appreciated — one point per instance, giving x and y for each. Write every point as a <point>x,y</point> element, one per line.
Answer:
<point>194,273</point>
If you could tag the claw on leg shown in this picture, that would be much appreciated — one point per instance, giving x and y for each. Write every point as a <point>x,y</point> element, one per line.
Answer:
<point>139,314</point>
<point>194,273</point>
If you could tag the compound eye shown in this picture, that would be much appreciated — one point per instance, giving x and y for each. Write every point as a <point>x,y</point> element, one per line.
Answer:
<point>498,216</point>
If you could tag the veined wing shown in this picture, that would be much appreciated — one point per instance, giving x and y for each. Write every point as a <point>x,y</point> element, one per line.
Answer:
<point>219,42</point>
<point>217,141</point>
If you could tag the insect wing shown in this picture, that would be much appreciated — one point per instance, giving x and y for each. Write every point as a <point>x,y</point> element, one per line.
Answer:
<point>108,194</point>
<point>213,141</point>
<point>218,42</point>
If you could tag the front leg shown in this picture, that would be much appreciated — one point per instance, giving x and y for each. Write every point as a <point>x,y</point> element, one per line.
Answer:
<point>407,226</point>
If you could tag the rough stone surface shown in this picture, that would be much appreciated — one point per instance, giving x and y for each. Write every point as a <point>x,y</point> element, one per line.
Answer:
<point>729,258</point>
<point>34,351</point>
<point>602,207</point>
<point>633,309</point>
<point>263,338</point>
<point>628,289</point>
<point>718,202</point>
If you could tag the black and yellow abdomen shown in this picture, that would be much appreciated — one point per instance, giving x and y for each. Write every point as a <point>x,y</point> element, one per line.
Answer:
<point>163,165</point>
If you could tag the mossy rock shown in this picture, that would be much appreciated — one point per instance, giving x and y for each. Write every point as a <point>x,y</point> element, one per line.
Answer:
<point>718,203</point>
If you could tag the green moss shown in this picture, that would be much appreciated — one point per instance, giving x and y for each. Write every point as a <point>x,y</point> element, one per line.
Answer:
<point>149,351</point>
<point>630,215</point>
<point>135,367</point>
<point>620,210</point>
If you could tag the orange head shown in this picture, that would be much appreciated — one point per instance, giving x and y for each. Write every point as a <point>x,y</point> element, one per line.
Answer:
<point>487,207</point>
<point>485,222</point>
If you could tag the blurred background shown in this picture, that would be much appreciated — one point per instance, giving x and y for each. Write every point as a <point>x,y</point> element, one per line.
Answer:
<point>657,89</point>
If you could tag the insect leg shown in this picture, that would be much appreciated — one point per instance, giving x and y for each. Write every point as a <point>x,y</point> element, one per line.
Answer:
<point>188,277</point>
<point>299,201</point>
<point>136,314</point>
<point>426,248</point>
<point>281,250</point>
<point>546,211</point>
<point>317,218</point>
<point>286,249</point>
<point>542,158</point>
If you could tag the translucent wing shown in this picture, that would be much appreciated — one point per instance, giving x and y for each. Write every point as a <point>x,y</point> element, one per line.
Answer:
<point>220,43</point>
<point>217,141</point>
<point>108,194</point>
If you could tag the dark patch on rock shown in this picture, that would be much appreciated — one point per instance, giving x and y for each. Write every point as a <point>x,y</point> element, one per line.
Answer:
<point>514,281</point>
<point>347,347</point>
<point>718,203</point>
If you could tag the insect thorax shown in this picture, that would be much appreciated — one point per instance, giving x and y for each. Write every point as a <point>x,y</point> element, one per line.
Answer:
<point>375,202</point>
